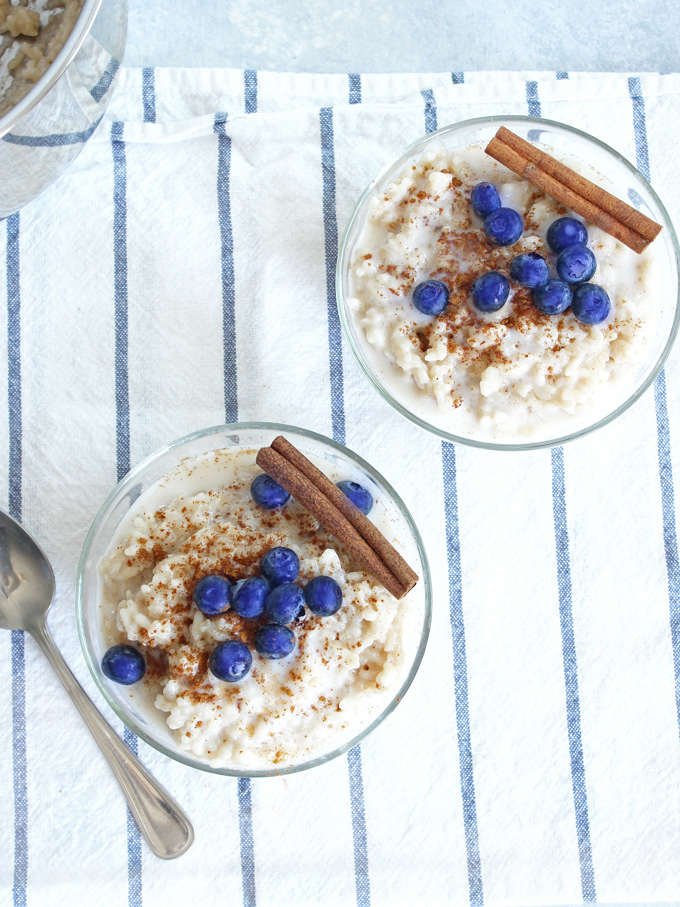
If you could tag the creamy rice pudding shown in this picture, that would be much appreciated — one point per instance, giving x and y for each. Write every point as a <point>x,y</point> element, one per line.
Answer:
<point>345,668</point>
<point>513,374</point>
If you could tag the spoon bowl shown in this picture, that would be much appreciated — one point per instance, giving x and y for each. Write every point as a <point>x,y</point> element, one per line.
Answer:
<point>26,591</point>
<point>26,578</point>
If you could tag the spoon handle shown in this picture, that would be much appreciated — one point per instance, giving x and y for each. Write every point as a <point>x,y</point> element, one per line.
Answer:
<point>167,830</point>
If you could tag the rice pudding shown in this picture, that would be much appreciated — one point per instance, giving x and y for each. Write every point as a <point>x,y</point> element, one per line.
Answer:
<point>345,669</point>
<point>512,375</point>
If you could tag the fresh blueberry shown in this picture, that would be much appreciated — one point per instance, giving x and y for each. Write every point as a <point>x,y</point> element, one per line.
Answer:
<point>280,565</point>
<point>274,641</point>
<point>248,596</point>
<point>357,494</point>
<point>490,292</point>
<point>565,232</point>
<point>323,596</point>
<point>484,199</point>
<point>431,297</point>
<point>503,226</point>
<point>212,595</point>
<point>230,660</point>
<point>590,304</point>
<point>283,603</point>
<point>268,493</point>
<point>123,664</point>
<point>553,297</point>
<point>530,270</point>
<point>576,264</point>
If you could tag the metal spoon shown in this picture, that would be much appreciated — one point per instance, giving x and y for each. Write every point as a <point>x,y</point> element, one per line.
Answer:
<point>26,593</point>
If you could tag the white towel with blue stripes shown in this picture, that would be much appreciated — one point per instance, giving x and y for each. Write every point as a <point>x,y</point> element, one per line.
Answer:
<point>180,275</point>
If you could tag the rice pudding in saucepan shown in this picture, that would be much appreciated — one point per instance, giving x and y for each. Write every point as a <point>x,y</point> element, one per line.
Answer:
<point>345,669</point>
<point>511,375</point>
<point>31,36</point>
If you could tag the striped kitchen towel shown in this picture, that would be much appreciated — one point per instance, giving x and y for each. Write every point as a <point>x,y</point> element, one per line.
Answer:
<point>181,275</point>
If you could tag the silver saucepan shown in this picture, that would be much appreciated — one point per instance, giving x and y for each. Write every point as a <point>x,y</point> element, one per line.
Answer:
<point>42,134</point>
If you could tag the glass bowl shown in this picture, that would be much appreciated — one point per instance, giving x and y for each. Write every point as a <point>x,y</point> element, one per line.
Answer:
<point>141,716</point>
<point>624,181</point>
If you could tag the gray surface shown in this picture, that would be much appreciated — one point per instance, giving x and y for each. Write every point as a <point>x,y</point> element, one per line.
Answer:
<point>406,35</point>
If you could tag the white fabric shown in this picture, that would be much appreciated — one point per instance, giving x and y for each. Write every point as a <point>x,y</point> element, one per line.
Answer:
<point>306,829</point>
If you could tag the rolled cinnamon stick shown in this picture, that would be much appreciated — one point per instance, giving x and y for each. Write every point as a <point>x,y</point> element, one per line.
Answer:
<point>313,499</point>
<point>563,184</point>
<point>368,530</point>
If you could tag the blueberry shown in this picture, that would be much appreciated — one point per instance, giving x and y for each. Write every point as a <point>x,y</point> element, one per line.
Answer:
<point>212,595</point>
<point>274,641</point>
<point>529,270</point>
<point>268,493</point>
<point>484,199</point>
<point>553,297</point>
<point>323,596</point>
<point>576,264</point>
<point>357,494</point>
<point>283,603</point>
<point>590,304</point>
<point>490,292</point>
<point>230,660</point>
<point>249,595</point>
<point>431,297</point>
<point>503,226</point>
<point>123,664</point>
<point>565,232</point>
<point>280,565</point>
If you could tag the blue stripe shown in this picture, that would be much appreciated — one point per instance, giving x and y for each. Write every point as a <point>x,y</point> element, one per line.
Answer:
<point>120,282</point>
<point>467,780</point>
<point>458,78</point>
<point>670,537</point>
<point>430,110</point>
<point>14,365</point>
<point>106,79</point>
<point>330,227</point>
<point>19,764</point>
<point>245,824</point>
<point>562,75</point>
<point>578,775</point>
<point>354,88</point>
<point>250,90</point>
<point>362,881</point>
<point>56,140</point>
<point>227,257</point>
<point>245,805</point>
<point>533,103</point>
<point>149,94</point>
<point>639,126</point>
<point>330,223</point>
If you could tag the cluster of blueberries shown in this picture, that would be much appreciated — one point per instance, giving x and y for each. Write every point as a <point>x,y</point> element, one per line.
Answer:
<point>273,594</point>
<point>575,265</point>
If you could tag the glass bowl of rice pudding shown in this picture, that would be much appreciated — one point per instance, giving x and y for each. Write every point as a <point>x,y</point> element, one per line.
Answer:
<point>187,512</point>
<point>513,379</point>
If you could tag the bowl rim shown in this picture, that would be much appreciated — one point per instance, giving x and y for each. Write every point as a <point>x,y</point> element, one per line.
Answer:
<point>419,145</point>
<point>129,479</point>
<point>55,70</point>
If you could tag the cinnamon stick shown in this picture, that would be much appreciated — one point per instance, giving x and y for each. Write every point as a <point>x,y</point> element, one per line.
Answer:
<point>368,530</point>
<point>378,556</point>
<point>570,188</point>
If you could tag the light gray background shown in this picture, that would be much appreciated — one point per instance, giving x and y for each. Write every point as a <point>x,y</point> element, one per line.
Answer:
<point>407,35</point>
